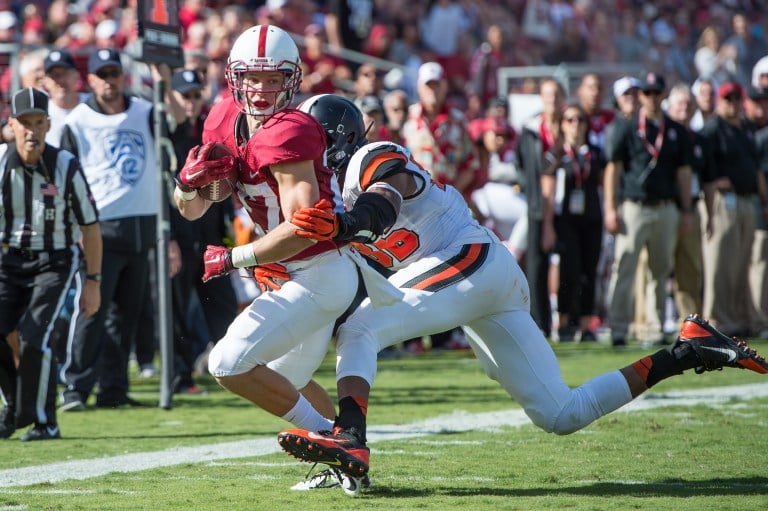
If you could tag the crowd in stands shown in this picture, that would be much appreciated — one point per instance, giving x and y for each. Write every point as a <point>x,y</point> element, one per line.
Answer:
<point>425,74</point>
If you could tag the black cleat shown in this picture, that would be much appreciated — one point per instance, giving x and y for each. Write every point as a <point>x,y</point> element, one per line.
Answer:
<point>715,350</point>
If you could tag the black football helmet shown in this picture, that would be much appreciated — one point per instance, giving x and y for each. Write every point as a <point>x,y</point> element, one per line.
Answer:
<point>343,124</point>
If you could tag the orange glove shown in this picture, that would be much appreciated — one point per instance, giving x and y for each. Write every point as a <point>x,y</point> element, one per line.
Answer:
<point>267,276</point>
<point>318,222</point>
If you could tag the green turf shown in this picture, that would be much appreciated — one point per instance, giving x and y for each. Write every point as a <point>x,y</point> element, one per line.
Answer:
<point>682,458</point>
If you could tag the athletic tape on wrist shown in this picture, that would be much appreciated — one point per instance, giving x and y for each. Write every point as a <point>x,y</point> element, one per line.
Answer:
<point>185,196</point>
<point>243,256</point>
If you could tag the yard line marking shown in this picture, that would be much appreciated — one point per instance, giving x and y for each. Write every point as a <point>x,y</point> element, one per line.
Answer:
<point>458,421</point>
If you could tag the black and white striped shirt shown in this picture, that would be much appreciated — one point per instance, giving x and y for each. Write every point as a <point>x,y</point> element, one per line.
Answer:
<point>42,206</point>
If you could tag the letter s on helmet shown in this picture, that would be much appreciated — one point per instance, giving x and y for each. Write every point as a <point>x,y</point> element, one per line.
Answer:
<point>264,48</point>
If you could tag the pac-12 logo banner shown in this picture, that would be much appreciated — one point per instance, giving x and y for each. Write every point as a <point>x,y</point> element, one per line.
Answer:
<point>128,154</point>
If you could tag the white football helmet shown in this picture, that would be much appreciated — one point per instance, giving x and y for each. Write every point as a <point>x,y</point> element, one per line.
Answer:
<point>263,48</point>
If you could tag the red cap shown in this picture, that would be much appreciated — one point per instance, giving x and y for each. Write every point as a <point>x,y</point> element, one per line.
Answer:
<point>729,88</point>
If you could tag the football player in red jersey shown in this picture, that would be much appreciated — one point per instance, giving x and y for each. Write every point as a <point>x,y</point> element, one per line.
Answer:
<point>274,346</point>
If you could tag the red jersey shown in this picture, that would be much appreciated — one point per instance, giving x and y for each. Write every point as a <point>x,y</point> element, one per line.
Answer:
<point>288,136</point>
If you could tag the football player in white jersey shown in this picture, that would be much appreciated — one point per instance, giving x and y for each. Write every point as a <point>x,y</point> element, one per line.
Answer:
<point>452,272</point>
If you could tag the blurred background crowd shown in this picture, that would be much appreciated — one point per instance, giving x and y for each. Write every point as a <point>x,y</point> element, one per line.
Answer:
<point>492,60</point>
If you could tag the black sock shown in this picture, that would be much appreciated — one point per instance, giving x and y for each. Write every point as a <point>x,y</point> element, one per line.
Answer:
<point>351,416</point>
<point>659,366</point>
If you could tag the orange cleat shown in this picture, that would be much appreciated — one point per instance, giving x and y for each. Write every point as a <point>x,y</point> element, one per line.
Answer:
<point>715,350</point>
<point>341,449</point>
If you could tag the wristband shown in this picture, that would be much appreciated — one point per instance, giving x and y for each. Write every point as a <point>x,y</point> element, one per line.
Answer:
<point>185,196</point>
<point>243,256</point>
<point>96,277</point>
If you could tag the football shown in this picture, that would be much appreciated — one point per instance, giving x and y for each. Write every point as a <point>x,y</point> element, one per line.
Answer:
<point>220,189</point>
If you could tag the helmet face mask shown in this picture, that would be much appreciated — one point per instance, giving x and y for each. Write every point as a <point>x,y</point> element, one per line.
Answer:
<point>343,125</point>
<point>263,49</point>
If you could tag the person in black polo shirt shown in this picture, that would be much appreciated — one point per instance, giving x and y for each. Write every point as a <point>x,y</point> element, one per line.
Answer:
<point>45,203</point>
<point>689,264</point>
<point>727,300</point>
<point>648,170</point>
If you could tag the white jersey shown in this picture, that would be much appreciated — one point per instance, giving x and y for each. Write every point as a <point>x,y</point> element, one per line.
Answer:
<point>434,218</point>
<point>475,282</point>
<point>117,153</point>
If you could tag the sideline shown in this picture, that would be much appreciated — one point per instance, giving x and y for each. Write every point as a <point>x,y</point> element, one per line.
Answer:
<point>458,421</point>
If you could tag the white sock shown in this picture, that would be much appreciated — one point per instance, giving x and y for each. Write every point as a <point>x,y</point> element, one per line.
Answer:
<point>303,415</point>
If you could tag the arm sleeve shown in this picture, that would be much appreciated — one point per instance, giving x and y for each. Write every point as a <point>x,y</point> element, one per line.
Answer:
<point>371,216</point>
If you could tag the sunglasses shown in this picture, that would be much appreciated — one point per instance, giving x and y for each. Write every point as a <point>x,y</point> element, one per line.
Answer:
<point>108,73</point>
<point>651,92</point>
<point>192,95</point>
<point>732,97</point>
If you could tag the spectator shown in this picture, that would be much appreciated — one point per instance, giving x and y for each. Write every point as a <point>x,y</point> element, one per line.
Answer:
<point>758,268</point>
<point>538,136</point>
<point>570,47</point>
<point>395,113</point>
<point>625,91</point>
<point>61,82</point>
<point>689,266</point>
<point>590,95</point>
<point>572,224</point>
<point>348,23</point>
<point>703,90</point>
<point>710,60</point>
<point>31,69</point>
<point>727,250</point>
<point>437,135</point>
<point>630,47</point>
<point>373,115</point>
<point>485,63</point>
<point>46,194</point>
<point>321,71</point>
<point>123,181</point>
<point>643,177</point>
<point>367,82</point>
<point>747,46</point>
<point>501,201</point>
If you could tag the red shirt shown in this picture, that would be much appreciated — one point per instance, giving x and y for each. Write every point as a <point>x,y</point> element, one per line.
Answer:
<point>288,136</point>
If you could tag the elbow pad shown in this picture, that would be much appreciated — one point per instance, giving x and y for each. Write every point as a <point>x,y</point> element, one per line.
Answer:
<point>370,217</point>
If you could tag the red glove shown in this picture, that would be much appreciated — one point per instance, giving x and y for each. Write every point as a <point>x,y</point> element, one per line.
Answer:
<point>267,276</point>
<point>217,261</point>
<point>199,170</point>
<point>317,223</point>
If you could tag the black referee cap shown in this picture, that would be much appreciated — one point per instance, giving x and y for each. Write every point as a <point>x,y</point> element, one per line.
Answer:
<point>29,101</point>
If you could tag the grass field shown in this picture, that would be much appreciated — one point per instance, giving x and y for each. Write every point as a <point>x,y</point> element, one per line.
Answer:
<point>696,452</point>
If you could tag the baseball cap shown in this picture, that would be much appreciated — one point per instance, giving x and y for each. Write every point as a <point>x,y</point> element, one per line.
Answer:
<point>186,80</point>
<point>429,71</point>
<point>730,88</point>
<point>61,58</point>
<point>103,58</point>
<point>369,104</point>
<point>8,20</point>
<point>653,82</point>
<point>758,93</point>
<point>623,84</point>
<point>29,101</point>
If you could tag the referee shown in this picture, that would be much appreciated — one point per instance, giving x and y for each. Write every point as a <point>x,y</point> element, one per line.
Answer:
<point>45,204</point>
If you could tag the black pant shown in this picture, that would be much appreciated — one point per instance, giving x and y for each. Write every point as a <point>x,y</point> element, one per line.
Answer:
<point>102,343</point>
<point>537,271</point>
<point>219,305</point>
<point>33,290</point>
<point>579,241</point>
